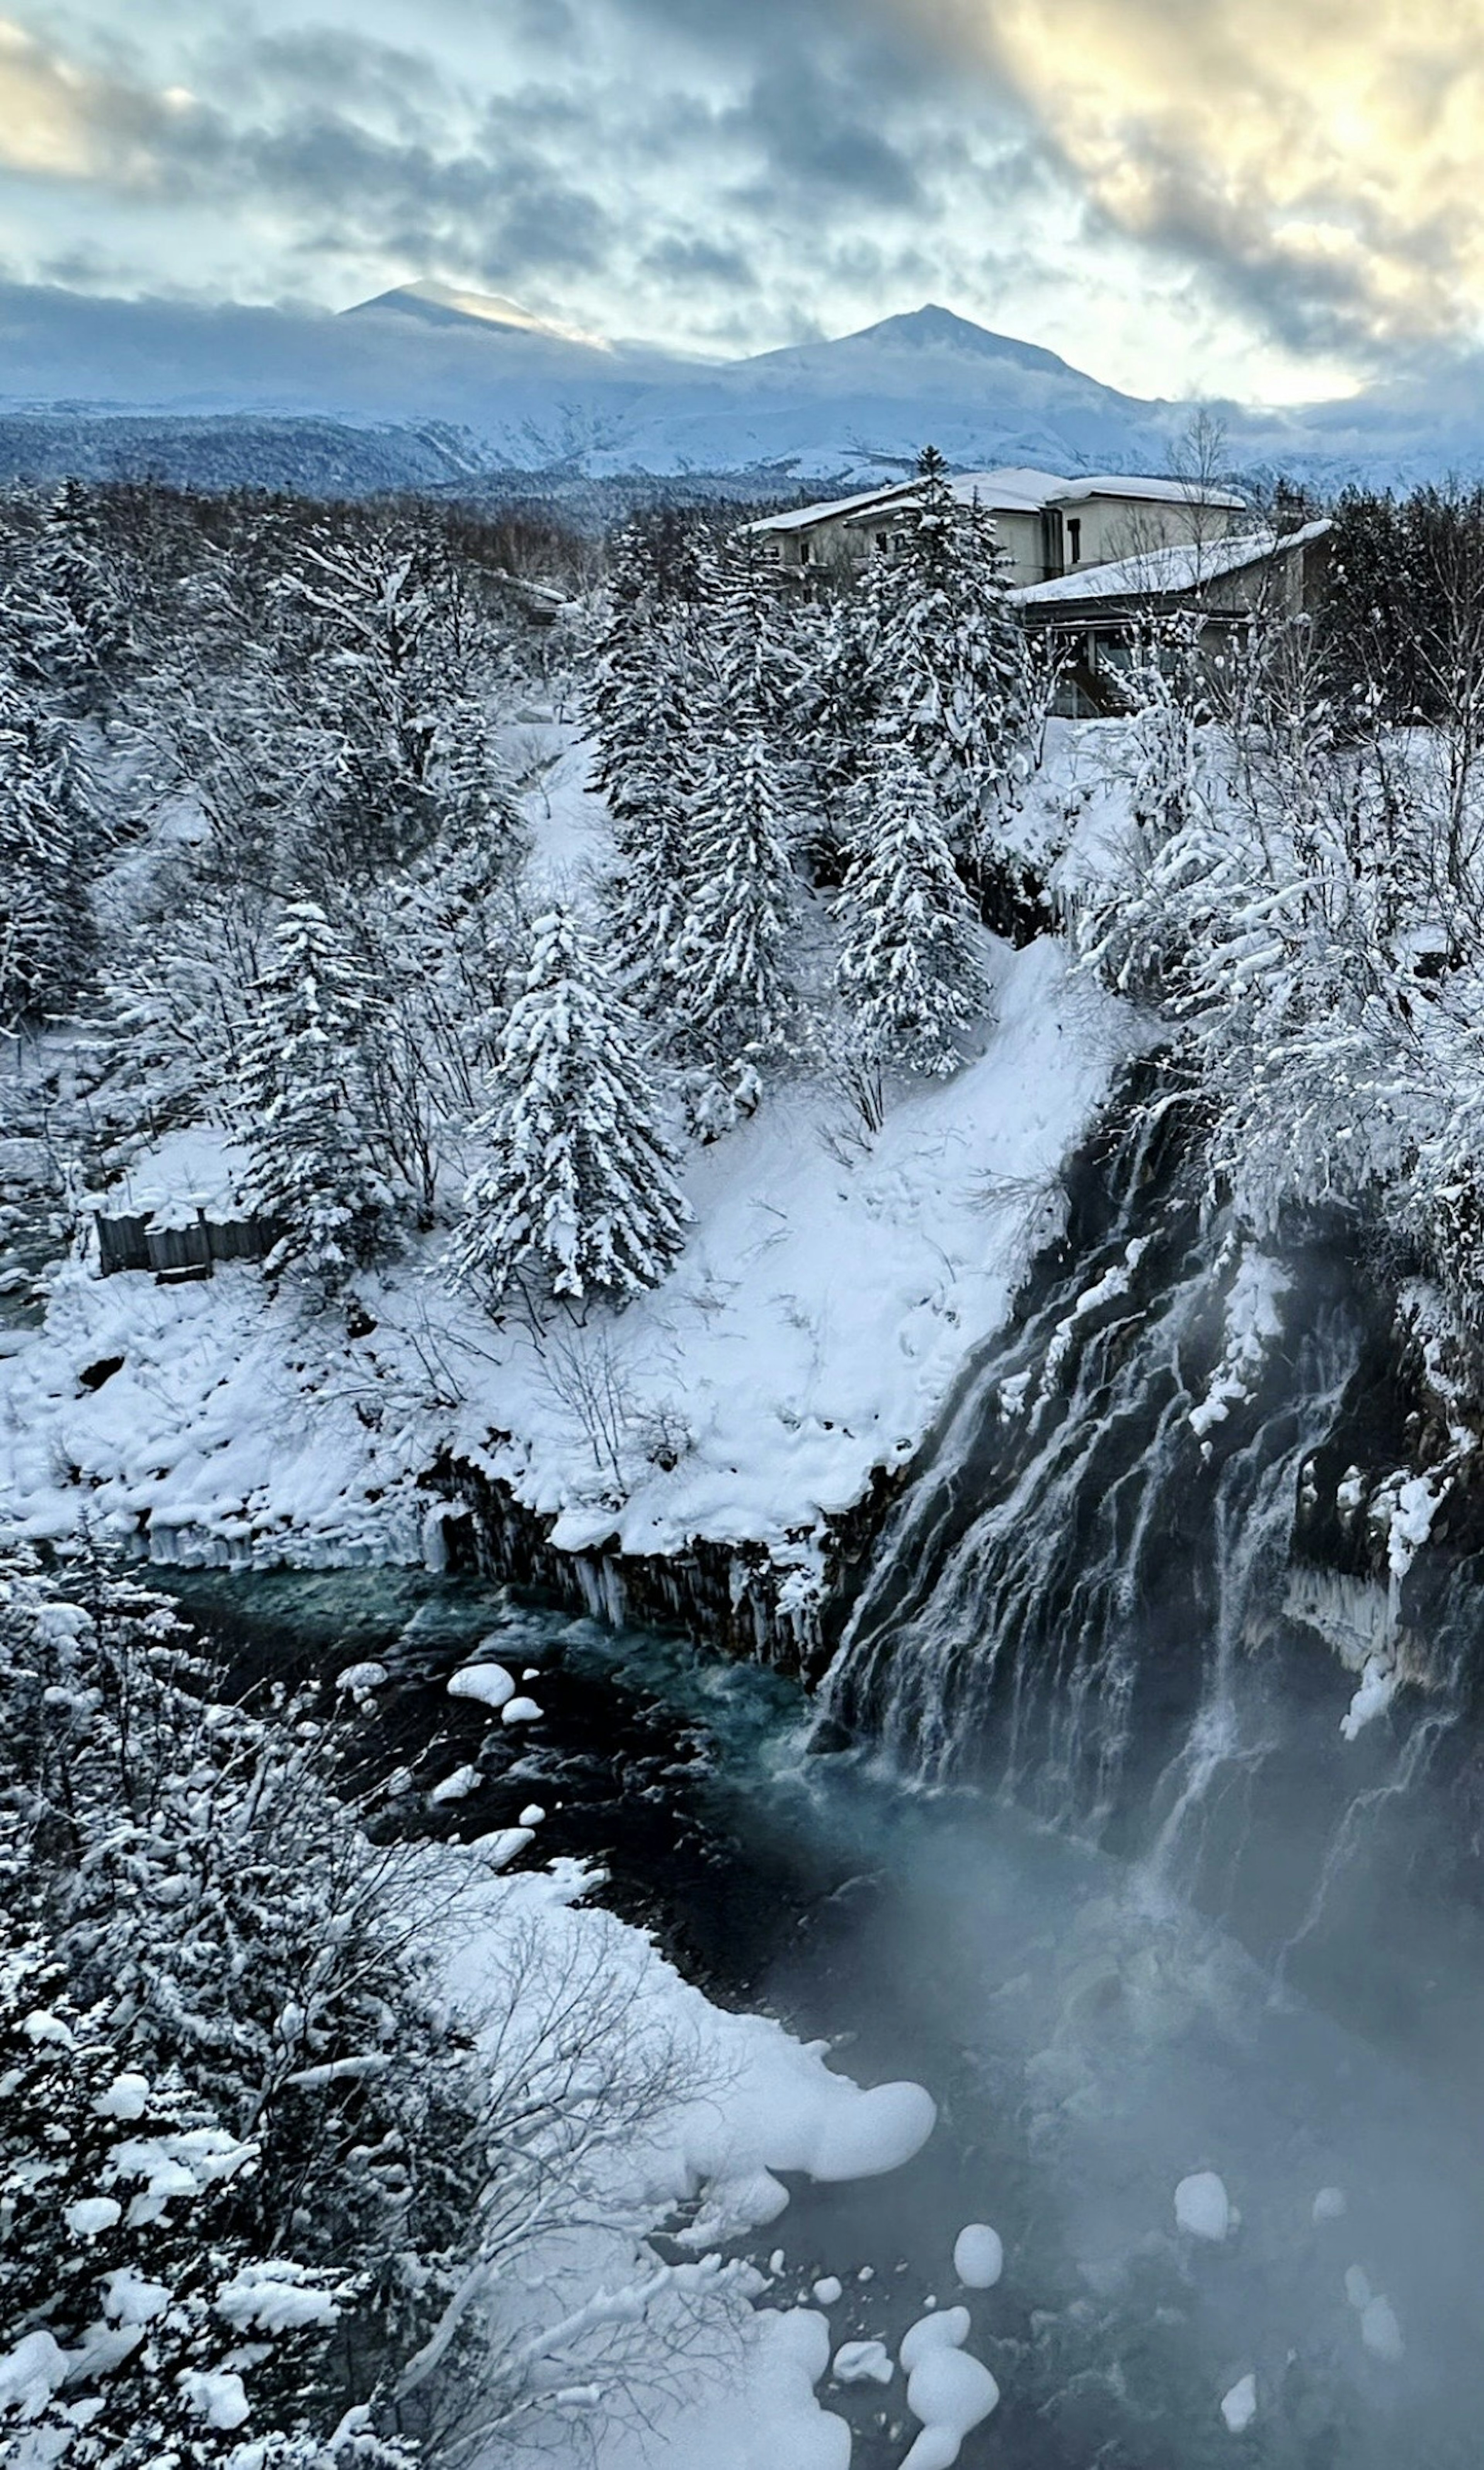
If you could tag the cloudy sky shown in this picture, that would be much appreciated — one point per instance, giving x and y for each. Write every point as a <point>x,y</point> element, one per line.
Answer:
<point>1274,198</point>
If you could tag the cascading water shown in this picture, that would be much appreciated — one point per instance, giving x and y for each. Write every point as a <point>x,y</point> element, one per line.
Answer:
<point>1090,1598</point>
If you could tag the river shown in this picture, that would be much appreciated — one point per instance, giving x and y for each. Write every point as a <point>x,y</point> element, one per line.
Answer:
<point>1090,2039</point>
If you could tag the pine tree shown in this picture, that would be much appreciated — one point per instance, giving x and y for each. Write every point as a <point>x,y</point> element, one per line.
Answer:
<point>642,708</point>
<point>732,999</point>
<point>77,628</point>
<point>300,1098</point>
<point>907,968</point>
<point>579,1189</point>
<point>951,670</point>
<point>46,924</point>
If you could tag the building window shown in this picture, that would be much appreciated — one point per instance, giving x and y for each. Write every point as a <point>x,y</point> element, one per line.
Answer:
<point>1074,540</point>
<point>805,550</point>
<point>881,542</point>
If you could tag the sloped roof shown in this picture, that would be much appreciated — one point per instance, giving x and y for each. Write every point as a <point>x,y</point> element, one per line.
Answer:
<point>1159,571</point>
<point>803,517</point>
<point>1008,488</point>
<point>1149,488</point>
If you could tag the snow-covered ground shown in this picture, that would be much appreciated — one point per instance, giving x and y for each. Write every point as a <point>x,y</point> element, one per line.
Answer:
<point>832,1285</point>
<point>758,2102</point>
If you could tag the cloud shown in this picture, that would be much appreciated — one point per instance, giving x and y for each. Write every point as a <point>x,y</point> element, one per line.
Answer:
<point>1321,156</point>
<point>63,123</point>
<point>815,137</point>
<point>691,261</point>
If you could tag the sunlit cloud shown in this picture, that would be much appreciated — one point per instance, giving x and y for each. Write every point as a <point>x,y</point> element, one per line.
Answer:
<point>1324,154</point>
<point>58,120</point>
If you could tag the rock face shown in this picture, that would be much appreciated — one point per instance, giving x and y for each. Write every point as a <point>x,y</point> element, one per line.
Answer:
<point>733,1597</point>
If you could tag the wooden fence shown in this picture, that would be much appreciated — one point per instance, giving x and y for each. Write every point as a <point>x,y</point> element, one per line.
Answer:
<point>137,1244</point>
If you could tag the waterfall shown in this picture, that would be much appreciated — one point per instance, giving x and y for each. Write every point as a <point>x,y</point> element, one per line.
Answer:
<point>1086,1600</point>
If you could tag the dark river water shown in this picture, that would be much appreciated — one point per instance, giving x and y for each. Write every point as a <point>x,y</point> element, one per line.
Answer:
<point>1089,2040</point>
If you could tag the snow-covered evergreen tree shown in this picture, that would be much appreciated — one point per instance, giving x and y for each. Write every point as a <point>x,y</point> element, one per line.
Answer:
<point>74,604</point>
<point>46,925</point>
<point>300,1098</point>
<point>579,1191</point>
<point>952,673</point>
<point>646,706</point>
<point>732,999</point>
<point>908,968</point>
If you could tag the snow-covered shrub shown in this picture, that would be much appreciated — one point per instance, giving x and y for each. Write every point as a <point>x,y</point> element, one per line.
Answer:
<point>140,2319</point>
<point>253,2172</point>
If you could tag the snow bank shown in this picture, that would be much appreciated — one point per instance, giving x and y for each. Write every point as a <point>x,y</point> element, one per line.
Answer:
<point>760,2102</point>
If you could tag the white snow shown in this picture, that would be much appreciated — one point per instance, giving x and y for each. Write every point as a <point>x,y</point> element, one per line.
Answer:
<point>456,1786</point>
<point>520,1710</point>
<point>488,1683</point>
<point>504,1844</point>
<point>219,2399</point>
<point>943,2328</point>
<point>532,1814</point>
<point>831,1287</point>
<point>1239,2406</point>
<point>762,2103</point>
<point>978,2256</point>
<point>1330,2205</point>
<point>275,2297</point>
<point>861,2362</point>
<point>31,2372</point>
<point>1380,1681</point>
<point>128,2097</point>
<point>130,2298</point>
<point>1253,1324</point>
<point>1381,2332</point>
<point>950,2393</point>
<point>92,2214</point>
<point>1201,2207</point>
<point>359,1678</point>
<point>827,2290</point>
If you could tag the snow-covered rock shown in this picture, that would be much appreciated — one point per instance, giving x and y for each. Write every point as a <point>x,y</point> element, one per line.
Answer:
<point>943,2328</point>
<point>488,1684</point>
<point>1202,2207</point>
<point>860,2363</point>
<point>1239,2406</point>
<point>950,2391</point>
<point>978,2256</point>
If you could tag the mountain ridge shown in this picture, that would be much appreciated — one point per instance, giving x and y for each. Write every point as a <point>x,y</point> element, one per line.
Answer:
<point>535,395</point>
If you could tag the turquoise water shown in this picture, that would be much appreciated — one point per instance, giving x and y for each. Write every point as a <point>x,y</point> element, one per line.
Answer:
<point>1089,2042</point>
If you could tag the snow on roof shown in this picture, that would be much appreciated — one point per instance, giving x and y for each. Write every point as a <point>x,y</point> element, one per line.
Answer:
<point>1149,487</point>
<point>803,517</point>
<point>1008,488</point>
<point>1183,568</point>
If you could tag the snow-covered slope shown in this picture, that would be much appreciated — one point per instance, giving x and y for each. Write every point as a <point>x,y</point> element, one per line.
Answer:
<point>831,1286</point>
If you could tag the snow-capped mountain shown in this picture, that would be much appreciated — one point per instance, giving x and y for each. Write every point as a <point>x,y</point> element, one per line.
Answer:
<point>506,390</point>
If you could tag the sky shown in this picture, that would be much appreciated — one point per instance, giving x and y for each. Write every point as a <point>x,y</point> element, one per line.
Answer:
<point>1270,200</point>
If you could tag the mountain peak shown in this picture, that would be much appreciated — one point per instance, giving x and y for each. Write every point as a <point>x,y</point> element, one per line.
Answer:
<point>932,328</point>
<point>444,304</point>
